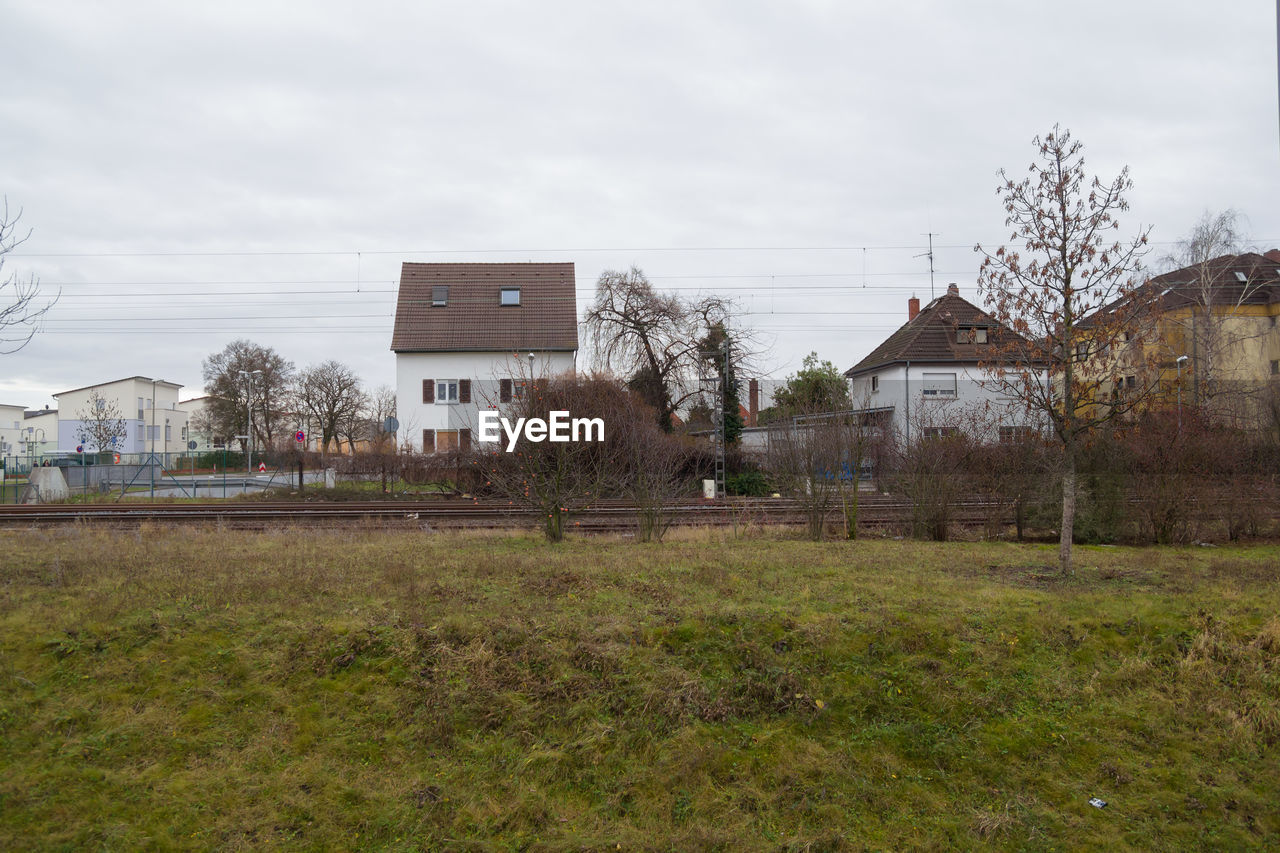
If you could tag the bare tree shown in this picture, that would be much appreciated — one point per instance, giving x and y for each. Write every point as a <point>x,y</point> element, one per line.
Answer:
<point>1207,297</point>
<point>21,308</point>
<point>243,370</point>
<point>653,472</point>
<point>380,406</point>
<point>652,340</point>
<point>102,424</point>
<point>1046,291</point>
<point>330,394</point>
<point>804,460</point>
<point>557,478</point>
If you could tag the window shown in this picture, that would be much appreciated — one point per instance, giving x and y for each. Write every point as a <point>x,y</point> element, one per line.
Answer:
<point>875,384</point>
<point>939,432</point>
<point>509,296</point>
<point>1010,434</point>
<point>510,389</point>
<point>101,403</point>
<point>446,390</point>
<point>439,296</point>
<point>1130,383</point>
<point>971,335</point>
<point>939,384</point>
<point>1275,368</point>
<point>1082,351</point>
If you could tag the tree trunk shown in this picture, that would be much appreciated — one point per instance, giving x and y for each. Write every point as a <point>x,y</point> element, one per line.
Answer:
<point>1068,513</point>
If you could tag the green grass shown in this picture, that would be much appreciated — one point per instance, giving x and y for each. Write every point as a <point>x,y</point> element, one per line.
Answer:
<point>367,690</point>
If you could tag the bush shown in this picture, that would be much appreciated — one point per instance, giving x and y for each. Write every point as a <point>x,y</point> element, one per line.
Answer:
<point>750,484</point>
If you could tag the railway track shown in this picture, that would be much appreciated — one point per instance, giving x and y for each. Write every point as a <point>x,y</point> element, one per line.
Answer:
<point>603,517</point>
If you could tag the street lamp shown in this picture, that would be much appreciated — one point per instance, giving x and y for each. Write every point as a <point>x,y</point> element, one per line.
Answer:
<point>1180,359</point>
<point>248,410</point>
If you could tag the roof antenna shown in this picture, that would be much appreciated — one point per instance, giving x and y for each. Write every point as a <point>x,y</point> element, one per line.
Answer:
<point>357,272</point>
<point>929,255</point>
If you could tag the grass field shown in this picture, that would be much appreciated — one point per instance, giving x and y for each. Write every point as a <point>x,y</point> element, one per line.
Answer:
<point>366,690</point>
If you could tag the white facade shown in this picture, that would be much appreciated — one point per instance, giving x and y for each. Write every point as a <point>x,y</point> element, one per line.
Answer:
<point>446,416</point>
<point>11,430</point>
<point>922,396</point>
<point>153,420</point>
<point>193,409</point>
<point>40,433</point>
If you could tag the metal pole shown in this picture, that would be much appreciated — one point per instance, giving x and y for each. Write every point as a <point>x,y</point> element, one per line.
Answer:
<point>248,421</point>
<point>151,466</point>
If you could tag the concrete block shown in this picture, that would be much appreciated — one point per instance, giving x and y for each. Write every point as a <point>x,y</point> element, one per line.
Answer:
<point>44,485</point>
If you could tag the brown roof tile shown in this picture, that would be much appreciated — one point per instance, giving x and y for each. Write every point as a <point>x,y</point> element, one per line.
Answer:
<point>473,320</point>
<point>931,336</point>
<point>1182,288</point>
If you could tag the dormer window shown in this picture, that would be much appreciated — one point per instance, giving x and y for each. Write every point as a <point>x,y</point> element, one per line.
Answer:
<point>509,296</point>
<point>971,335</point>
<point>439,296</point>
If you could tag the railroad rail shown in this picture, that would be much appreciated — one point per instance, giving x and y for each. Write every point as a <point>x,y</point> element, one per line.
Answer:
<point>449,514</point>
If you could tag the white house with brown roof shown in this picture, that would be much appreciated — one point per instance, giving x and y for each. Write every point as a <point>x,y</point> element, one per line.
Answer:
<point>931,374</point>
<point>470,336</point>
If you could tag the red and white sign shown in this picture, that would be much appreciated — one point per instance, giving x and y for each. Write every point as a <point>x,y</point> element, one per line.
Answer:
<point>262,467</point>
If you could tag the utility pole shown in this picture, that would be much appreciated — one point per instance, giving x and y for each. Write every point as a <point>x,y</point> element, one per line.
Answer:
<point>248,411</point>
<point>151,464</point>
<point>715,384</point>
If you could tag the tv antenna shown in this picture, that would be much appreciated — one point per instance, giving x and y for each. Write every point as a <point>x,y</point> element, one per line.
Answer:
<point>929,255</point>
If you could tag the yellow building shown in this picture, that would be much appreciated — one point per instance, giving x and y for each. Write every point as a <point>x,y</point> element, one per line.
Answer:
<point>1212,340</point>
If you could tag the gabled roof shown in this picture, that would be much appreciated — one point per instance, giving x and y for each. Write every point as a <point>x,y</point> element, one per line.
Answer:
<point>1183,288</point>
<point>1260,285</point>
<point>474,320</point>
<point>931,336</point>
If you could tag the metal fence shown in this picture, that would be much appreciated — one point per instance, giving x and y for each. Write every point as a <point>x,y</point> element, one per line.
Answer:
<point>211,474</point>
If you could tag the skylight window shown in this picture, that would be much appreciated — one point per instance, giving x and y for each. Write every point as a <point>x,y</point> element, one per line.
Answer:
<point>510,296</point>
<point>439,296</point>
<point>1241,277</point>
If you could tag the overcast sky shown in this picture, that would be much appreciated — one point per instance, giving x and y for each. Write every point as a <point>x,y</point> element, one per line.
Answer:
<point>195,173</point>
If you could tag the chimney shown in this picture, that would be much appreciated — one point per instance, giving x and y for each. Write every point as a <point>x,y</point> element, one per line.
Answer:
<point>913,308</point>
<point>952,289</point>
<point>753,401</point>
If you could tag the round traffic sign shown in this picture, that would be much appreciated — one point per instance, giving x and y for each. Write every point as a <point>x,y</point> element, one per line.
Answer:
<point>299,436</point>
<point>390,425</point>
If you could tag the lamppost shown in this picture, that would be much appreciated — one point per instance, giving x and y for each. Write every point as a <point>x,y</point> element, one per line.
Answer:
<point>1180,359</point>
<point>248,411</point>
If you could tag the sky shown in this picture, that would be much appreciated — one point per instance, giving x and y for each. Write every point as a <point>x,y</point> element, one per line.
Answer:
<point>194,173</point>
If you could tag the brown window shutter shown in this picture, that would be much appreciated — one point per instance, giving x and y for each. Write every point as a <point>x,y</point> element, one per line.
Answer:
<point>464,440</point>
<point>428,390</point>
<point>504,390</point>
<point>464,390</point>
<point>428,441</point>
